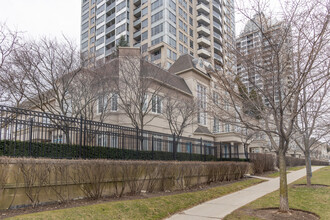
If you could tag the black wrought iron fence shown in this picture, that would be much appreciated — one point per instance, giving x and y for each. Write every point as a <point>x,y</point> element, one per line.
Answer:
<point>26,133</point>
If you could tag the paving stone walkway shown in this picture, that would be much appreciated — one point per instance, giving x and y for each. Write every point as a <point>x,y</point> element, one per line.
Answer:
<point>222,206</point>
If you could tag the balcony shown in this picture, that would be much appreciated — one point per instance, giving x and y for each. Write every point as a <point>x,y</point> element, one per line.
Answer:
<point>217,17</point>
<point>216,7</point>
<point>111,17</point>
<point>137,12</point>
<point>109,40</point>
<point>137,35</point>
<point>206,2</point>
<point>109,29</point>
<point>203,52</point>
<point>218,59</point>
<point>203,30</point>
<point>137,44</point>
<point>137,23</point>
<point>217,47</point>
<point>204,42</point>
<point>111,6</point>
<point>137,2</point>
<point>201,18</point>
<point>202,8</point>
<point>217,28</point>
<point>155,57</point>
<point>217,37</point>
<point>110,51</point>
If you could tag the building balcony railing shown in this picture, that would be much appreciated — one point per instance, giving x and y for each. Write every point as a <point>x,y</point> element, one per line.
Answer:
<point>109,29</point>
<point>201,18</point>
<point>217,37</point>
<point>137,2</point>
<point>111,17</point>
<point>203,30</point>
<point>203,41</point>
<point>109,40</point>
<point>137,12</point>
<point>203,52</point>
<point>203,8</point>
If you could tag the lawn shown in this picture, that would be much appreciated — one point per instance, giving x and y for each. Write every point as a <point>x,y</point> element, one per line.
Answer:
<point>277,174</point>
<point>151,208</point>
<point>315,200</point>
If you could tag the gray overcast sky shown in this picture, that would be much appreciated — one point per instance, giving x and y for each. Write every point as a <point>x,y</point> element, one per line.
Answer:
<point>43,17</point>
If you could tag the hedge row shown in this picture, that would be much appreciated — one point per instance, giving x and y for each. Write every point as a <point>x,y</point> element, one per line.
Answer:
<point>98,178</point>
<point>51,150</point>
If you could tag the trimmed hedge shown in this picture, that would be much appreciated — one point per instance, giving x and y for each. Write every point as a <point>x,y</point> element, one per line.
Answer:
<point>51,150</point>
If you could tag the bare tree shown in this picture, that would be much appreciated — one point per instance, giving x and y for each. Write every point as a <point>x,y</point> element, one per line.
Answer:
<point>139,87</point>
<point>48,75</point>
<point>9,41</point>
<point>310,125</point>
<point>180,113</point>
<point>287,55</point>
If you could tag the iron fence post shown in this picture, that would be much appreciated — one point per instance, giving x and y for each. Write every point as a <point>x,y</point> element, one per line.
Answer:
<point>137,142</point>
<point>81,133</point>
<point>122,146</point>
<point>230,151</point>
<point>201,146</point>
<point>30,136</point>
<point>152,147</point>
<point>190,151</point>
<point>174,147</point>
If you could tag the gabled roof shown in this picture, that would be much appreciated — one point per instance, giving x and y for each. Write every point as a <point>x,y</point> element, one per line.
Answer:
<point>165,76</point>
<point>202,130</point>
<point>186,62</point>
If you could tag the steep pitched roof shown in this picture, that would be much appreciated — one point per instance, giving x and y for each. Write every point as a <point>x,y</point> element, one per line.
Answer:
<point>187,62</point>
<point>165,76</point>
<point>202,130</point>
<point>184,62</point>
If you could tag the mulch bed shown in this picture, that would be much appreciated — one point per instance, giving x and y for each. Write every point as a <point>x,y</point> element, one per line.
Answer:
<point>84,202</point>
<point>274,214</point>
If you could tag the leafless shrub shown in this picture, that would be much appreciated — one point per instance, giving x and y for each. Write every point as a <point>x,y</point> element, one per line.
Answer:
<point>4,169</point>
<point>262,162</point>
<point>118,177</point>
<point>91,178</point>
<point>153,174</point>
<point>60,173</point>
<point>35,177</point>
<point>137,177</point>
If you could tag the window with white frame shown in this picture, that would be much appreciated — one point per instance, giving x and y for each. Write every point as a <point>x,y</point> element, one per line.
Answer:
<point>157,104</point>
<point>101,104</point>
<point>227,127</point>
<point>201,97</point>
<point>102,140</point>
<point>145,102</point>
<point>215,98</point>
<point>216,125</point>
<point>170,144</point>
<point>145,141</point>
<point>114,102</point>
<point>114,141</point>
<point>157,143</point>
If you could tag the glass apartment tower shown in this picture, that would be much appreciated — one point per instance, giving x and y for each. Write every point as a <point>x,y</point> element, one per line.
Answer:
<point>163,29</point>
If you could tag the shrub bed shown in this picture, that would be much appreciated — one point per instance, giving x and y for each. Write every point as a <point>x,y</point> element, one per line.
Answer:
<point>262,162</point>
<point>98,178</point>
<point>51,150</point>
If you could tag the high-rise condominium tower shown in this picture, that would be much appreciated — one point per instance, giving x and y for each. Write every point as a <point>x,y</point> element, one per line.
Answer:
<point>259,62</point>
<point>164,29</point>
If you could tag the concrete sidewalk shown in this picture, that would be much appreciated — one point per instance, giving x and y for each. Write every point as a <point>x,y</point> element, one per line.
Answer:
<point>220,207</point>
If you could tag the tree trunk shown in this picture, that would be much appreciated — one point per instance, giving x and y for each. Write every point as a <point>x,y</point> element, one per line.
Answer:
<point>308,168</point>
<point>284,202</point>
